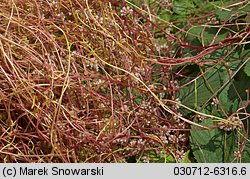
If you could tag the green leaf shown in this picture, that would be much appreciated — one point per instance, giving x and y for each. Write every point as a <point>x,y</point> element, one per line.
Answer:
<point>164,15</point>
<point>247,68</point>
<point>210,33</point>
<point>207,34</point>
<point>230,146</point>
<point>216,145</point>
<point>207,146</point>
<point>225,14</point>
<point>224,100</point>
<point>186,158</point>
<point>246,154</point>
<point>196,94</point>
<point>240,84</point>
<point>164,158</point>
<point>183,7</point>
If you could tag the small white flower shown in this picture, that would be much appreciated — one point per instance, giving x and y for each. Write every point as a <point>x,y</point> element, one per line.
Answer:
<point>230,124</point>
<point>176,105</point>
<point>200,117</point>
<point>215,102</point>
<point>237,154</point>
<point>126,10</point>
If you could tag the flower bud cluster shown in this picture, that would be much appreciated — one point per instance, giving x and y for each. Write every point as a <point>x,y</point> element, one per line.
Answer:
<point>230,124</point>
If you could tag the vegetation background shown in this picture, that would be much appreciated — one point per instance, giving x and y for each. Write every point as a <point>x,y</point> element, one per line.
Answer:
<point>124,81</point>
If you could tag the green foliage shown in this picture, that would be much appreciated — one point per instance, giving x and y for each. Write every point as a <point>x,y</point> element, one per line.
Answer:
<point>207,145</point>
<point>247,68</point>
<point>240,84</point>
<point>163,158</point>
<point>216,145</point>
<point>164,14</point>
<point>212,82</point>
<point>198,92</point>
<point>225,14</point>
<point>73,75</point>
<point>183,8</point>
<point>205,35</point>
<point>186,158</point>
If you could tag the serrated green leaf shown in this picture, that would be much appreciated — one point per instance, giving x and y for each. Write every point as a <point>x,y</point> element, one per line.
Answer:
<point>207,146</point>
<point>247,68</point>
<point>196,94</point>
<point>183,7</point>
<point>246,154</point>
<point>186,158</point>
<point>207,34</point>
<point>240,84</point>
<point>229,147</point>
<point>226,14</point>
<point>216,146</point>
<point>223,99</point>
